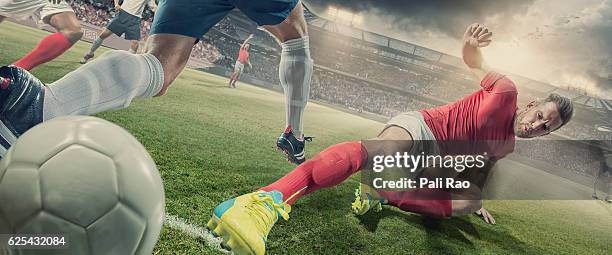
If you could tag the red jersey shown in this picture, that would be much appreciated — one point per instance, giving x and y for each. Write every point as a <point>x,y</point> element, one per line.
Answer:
<point>243,56</point>
<point>487,114</point>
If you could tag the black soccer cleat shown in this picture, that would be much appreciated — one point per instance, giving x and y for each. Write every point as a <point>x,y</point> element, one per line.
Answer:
<point>293,148</point>
<point>21,104</point>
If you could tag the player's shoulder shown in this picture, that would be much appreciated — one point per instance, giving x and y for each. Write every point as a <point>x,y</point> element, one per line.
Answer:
<point>495,82</point>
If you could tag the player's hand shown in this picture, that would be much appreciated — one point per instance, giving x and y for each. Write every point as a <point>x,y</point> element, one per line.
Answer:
<point>55,1</point>
<point>486,216</point>
<point>117,7</point>
<point>477,35</point>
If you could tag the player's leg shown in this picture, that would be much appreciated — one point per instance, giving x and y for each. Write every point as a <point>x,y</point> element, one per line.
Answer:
<point>132,32</point>
<point>296,65</point>
<point>284,19</point>
<point>102,35</point>
<point>110,82</point>
<point>237,220</point>
<point>238,74</point>
<point>118,77</point>
<point>436,203</point>
<point>327,169</point>
<point>232,79</point>
<point>234,75</point>
<point>62,18</point>
<point>134,46</point>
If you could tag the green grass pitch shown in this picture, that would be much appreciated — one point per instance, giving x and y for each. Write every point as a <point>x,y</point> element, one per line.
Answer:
<point>211,143</point>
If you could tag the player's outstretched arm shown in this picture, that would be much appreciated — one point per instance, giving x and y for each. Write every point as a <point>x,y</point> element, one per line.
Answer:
<point>247,40</point>
<point>475,37</point>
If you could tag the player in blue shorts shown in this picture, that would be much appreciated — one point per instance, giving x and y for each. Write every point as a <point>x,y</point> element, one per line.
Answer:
<point>113,81</point>
<point>126,22</point>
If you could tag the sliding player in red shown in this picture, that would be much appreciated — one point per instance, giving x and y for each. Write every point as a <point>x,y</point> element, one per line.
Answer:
<point>490,113</point>
<point>56,13</point>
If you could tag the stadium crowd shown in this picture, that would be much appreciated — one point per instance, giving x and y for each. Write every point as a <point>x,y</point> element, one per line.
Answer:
<point>92,13</point>
<point>578,157</point>
<point>360,95</point>
<point>410,78</point>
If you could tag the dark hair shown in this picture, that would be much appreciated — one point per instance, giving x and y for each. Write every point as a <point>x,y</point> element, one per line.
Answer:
<point>564,106</point>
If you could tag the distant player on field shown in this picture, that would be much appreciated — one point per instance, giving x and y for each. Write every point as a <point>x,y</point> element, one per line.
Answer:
<point>112,82</point>
<point>56,13</point>
<point>490,113</point>
<point>126,22</point>
<point>243,58</point>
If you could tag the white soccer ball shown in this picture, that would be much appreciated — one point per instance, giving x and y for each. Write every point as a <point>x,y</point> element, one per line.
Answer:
<point>87,179</point>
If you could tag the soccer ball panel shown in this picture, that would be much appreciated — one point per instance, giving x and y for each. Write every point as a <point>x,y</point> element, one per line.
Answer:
<point>19,194</point>
<point>101,135</point>
<point>141,187</point>
<point>79,184</point>
<point>4,164</point>
<point>117,232</point>
<point>43,141</point>
<point>45,222</point>
<point>5,228</point>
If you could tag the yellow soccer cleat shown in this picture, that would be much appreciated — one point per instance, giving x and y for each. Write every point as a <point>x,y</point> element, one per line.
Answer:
<point>366,199</point>
<point>245,221</point>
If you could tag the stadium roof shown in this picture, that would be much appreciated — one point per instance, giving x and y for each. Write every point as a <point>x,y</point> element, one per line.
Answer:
<point>308,15</point>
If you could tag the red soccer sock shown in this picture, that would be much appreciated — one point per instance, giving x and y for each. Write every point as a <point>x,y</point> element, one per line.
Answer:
<point>434,203</point>
<point>329,168</point>
<point>47,49</point>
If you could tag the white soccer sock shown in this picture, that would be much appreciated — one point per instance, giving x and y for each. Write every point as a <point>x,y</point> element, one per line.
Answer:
<point>295,72</point>
<point>96,44</point>
<point>109,82</point>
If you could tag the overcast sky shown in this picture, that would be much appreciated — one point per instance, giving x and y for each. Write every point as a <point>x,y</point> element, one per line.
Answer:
<point>557,41</point>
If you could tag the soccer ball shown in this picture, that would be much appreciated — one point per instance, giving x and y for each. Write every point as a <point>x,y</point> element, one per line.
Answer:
<point>86,179</point>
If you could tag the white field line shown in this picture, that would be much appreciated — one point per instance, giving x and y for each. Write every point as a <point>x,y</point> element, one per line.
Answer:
<point>195,231</point>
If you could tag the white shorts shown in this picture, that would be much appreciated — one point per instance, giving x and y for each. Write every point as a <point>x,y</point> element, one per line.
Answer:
<point>35,9</point>
<point>238,67</point>
<point>415,124</point>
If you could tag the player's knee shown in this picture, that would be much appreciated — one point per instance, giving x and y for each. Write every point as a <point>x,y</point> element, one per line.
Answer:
<point>293,27</point>
<point>74,34</point>
<point>337,163</point>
